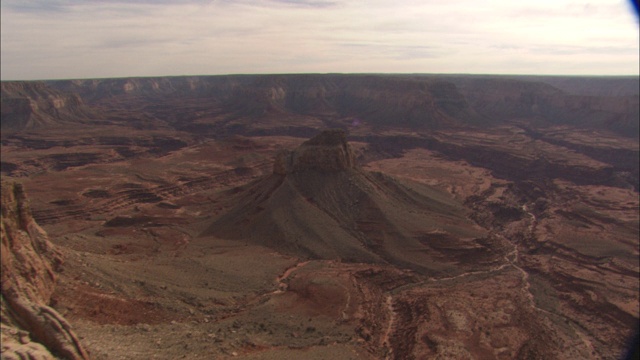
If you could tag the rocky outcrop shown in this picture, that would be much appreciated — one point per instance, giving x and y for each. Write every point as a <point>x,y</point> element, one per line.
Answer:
<point>327,152</point>
<point>30,328</point>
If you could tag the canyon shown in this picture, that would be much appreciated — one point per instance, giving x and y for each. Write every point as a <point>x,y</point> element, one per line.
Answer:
<point>324,215</point>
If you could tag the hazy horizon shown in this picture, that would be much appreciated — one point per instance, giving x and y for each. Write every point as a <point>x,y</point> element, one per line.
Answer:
<point>73,39</point>
<point>332,73</point>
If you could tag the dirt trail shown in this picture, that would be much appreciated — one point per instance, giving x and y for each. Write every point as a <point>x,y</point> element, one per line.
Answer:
<point>385,340</point>
<point>290,270</point>
<point>282,286</point>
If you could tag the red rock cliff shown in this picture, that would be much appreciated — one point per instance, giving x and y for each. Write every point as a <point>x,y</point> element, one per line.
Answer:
<point>30,328</point>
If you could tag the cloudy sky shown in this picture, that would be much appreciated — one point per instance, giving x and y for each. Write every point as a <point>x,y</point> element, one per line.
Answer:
<point>58,39</point>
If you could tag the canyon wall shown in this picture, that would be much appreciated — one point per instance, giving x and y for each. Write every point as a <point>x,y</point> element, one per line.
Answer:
<point>414,101</point>
<point>31,105</point>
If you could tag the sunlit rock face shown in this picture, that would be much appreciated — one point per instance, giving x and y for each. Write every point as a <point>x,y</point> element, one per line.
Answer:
<point>28,258</point>
<point>30,328</point>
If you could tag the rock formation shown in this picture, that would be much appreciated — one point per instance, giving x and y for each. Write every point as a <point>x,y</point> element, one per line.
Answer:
<point>327,152</point>
<point>318,204</point>
<point>30,328</point>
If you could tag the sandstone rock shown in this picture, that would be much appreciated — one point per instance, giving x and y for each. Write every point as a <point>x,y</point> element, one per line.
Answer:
<point>28,257</point>
<point>13,349</point>
<point>28,262</point>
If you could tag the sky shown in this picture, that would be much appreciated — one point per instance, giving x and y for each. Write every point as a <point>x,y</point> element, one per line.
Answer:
<point>73,39</point>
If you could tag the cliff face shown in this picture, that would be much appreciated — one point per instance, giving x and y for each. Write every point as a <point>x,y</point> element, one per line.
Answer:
<point>28,257</point>
<point>30,105</point>
<point>30,328</point>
